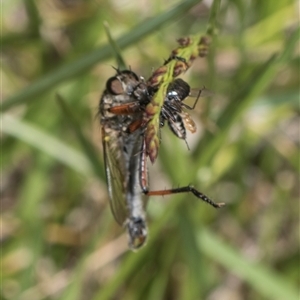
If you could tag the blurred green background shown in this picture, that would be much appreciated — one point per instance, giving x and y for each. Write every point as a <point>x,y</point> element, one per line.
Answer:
<point>59,238</point>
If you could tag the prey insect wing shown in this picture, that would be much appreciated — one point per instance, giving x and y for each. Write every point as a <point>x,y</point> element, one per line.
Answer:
<point>188,122</point>
<point>194,92</point>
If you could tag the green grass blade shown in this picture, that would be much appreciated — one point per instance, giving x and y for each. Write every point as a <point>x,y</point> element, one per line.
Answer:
<point>45,143</point>
<point>212,23</point>
<point>81,65</point>
<point>119,58</point>
<point>88,148</point>
<point>259,80</point>
<point>261,278</point>
<point>59,228</point>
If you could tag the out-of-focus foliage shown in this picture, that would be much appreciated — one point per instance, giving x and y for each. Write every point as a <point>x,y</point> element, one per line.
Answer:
<point>59,239</point>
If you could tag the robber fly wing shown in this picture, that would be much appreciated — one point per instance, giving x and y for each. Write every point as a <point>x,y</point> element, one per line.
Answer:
<point>115,168</point>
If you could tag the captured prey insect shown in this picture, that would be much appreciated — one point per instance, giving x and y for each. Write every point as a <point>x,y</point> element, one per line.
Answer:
<point>172,109</point>
<point>121,110</point>
<point>179,61</point>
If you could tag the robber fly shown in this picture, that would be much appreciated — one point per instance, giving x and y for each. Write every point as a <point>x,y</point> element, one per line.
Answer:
<point>125,154</point>
<point>122,152</point>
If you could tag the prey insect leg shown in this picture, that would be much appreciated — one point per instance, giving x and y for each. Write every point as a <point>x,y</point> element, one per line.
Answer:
<point>195,103</point>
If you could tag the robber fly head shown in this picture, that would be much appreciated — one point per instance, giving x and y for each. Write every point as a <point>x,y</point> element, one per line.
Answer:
<point>123,83</point>
<point>128,83</point>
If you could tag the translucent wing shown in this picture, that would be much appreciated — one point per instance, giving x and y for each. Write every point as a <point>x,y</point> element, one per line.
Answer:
<point>115,168</point>
<point>204,92</point>
<point>122,155</point>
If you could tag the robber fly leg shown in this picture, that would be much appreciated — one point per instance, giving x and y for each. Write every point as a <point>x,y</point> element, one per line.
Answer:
<point>186,189</point>
<point>143,169</point>
<point>125,109</point>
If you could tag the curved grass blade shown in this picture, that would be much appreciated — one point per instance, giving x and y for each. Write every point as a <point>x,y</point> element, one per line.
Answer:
<point>88,148</point>
<point>264,280</point>
<point>46,143</point>
<point>259,80</point>
<point>116,50</point>
<point>83,64</point>
<point>212,27</point>
<point>179,62</point>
